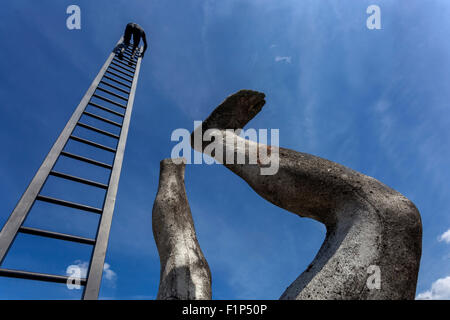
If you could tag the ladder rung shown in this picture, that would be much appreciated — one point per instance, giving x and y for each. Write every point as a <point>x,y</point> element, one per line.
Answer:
<point>106,109</point>
<point>129,61</point>
<point>126,65</point>
<point>119,76</point>
<point>122,67</point>
<point>94,144</point>
<point>56,235</point>
<point>109,100</point>
<point>106,133</point>
<point>102,119</point>
<point>123,64</point>
<point>117,81</point>
<point>77,179</point>
<point>115,87</point>
<point>87,160</point>
<point>126,56</point>
<point>69,204</point>
<point>120,71</point>
<point>36,276</point>
<point>112,93</point>
<point>130,46</point>
<point>126,48</point>
<point>129,51</point>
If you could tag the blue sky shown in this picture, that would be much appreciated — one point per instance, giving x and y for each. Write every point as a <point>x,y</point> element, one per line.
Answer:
<point>374,100</point>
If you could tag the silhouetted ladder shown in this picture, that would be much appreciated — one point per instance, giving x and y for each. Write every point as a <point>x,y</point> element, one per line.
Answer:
<point>121,75</point>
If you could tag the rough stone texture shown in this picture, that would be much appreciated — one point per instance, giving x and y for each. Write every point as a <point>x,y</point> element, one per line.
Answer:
<point>367,222</point>
<point>234,112</point>
<point>185,273</point>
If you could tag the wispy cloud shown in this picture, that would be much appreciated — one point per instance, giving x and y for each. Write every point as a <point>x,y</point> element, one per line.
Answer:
<point>109,273</point>
<point>283,59</point>
<point>440,290</point>
<point>445,236</point>
<point>82,267</point>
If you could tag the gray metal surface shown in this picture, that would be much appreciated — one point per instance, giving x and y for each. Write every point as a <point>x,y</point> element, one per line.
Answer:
<point>19,214</point>
<point>36,276</point>
<point>14,224</point>
<point>96,269</point>
<point>56,235</point>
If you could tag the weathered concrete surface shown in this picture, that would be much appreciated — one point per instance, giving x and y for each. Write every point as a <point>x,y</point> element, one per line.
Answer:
<point>185,273</point>
<point>368,223</point>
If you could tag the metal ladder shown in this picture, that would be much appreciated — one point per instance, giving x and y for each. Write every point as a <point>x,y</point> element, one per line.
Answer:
<point>122,76</point>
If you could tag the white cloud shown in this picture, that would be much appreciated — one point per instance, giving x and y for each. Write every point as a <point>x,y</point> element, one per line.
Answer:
<point>440,290</point>
<point>108,273</point>
<point>82,268</point>
<point>285,59</point>
<point>445,236</point>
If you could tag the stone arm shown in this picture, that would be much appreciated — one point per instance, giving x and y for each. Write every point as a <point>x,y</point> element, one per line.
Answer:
<point>369,225</point>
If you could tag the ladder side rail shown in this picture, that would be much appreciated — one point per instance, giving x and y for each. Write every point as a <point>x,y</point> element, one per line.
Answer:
<point>95,272</point>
